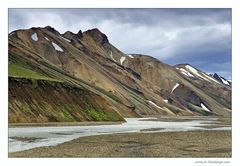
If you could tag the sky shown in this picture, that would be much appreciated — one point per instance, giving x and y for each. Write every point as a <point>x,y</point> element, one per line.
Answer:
<point>200,37</point>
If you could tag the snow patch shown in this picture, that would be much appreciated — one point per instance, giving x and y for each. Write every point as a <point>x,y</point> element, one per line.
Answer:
<point>177,84</point>
<point>194,71</point>
<point>210,78</point>
<point>224,81</point>
<point>185,72</point>
<point>166,101</point>
<point>154,104</point>
<point>57,47</point>
<point>11,33</point>
<point>67,40</point>
<point>130,55</point>
<point>111,55</point>
<point>34,37</point>
<point>46,38</point>
<point>122,59</point>
<point>204,107</point>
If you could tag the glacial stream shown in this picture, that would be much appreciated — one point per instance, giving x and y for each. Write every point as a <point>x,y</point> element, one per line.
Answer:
<point>24,138</point>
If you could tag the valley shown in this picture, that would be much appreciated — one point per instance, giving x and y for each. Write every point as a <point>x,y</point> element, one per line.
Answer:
<point>66,89</point>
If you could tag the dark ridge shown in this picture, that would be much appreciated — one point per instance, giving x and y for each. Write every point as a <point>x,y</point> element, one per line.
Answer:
<point>79,34</point>
<point>97,35</point>
<point>51,29</point>
<point>71,35</point>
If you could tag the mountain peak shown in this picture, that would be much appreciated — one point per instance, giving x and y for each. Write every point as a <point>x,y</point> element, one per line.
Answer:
<point>97,35</point>
<point>80,34</point>
<point>51,29</point>
<point>215,75</point>
<point>221,79</point>
<point>68,33</point>
<point>71,35</point>
<point>94,30</point>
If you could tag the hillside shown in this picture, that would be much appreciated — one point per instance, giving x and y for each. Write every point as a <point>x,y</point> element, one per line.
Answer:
<point>36,97</point>
<point>132,85</point>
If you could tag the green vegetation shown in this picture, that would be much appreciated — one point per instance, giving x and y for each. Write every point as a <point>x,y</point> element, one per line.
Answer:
<point>20,68</point>
<point>56,114</point>
<point>67,116</point>
<point>102,116</point>
<point>24,107</point>
<point>19,71</point>
<point>62,108</point>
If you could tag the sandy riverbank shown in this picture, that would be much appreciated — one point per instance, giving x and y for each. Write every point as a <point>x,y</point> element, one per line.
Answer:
<point>166,144</point>
<point>92,123</point>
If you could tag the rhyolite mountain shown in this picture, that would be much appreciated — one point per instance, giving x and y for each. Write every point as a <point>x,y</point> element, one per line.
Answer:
<point>57,77</point>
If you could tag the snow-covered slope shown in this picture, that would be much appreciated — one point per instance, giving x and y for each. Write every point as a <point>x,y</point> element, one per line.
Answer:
<point>189,71</point>
<point>221,79</point>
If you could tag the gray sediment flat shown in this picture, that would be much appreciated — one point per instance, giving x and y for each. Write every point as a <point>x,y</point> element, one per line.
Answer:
<point>55,135</point>
<point>162,144</point>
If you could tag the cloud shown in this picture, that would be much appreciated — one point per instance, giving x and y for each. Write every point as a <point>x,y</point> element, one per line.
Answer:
<point>200,37</point>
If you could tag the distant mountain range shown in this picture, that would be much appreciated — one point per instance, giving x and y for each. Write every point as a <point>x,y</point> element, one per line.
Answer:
<point>221,79</point>
<point>83,77</point>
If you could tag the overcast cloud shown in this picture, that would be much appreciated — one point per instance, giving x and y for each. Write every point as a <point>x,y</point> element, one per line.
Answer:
<point>200,37</point>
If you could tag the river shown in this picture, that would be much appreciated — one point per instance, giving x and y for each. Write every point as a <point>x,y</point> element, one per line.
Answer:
<point>24,138</point>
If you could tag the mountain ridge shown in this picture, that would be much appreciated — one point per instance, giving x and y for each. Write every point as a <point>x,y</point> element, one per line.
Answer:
<point>143,85</point>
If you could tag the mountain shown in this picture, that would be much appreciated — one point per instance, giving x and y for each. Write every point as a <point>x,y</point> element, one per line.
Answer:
<point>130,85</point>
<point>221,79</point>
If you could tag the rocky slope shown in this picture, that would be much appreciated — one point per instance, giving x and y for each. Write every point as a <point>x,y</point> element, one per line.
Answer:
<point>135,85</point>
<point>36,96</point>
